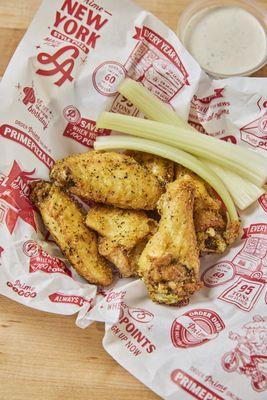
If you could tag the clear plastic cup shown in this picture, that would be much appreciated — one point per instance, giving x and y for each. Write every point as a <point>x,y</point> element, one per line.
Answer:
<point>197,10</point>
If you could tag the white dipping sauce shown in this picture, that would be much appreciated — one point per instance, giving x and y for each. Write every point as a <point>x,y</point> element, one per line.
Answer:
<point>226,40</point>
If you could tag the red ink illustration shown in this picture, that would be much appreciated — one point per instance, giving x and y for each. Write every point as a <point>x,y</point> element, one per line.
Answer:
<point>249,357</point>
<point>114,295</point>
<point>29,96</point>
<point>230,139</point>
<point>263,202</point>
<point>218,274</point>
<point>140,315</point>
<point>210,108</point>
<point>132,331</point>
<point>14,202</point>
<point>218,93</point>
<point>64,68</point>
<point>84,130</point>
<point>16,135</point>
<point>255,132</point>
<point>40,260</point>
<point>196,327</point>
<point>69,299</point>
<point>243,294</point>
<point>22,289</point>
<point>107,76</point>
<point>30,248</point>
<point>72,114</point>
<point>192,386</point>
<point>156,64</point>
<point>251,260</point>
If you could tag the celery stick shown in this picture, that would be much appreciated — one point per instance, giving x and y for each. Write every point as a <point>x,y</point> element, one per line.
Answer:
<point>171,153</point>
<point>243,192</point>
<point>149,104</point>
<point>246,163</point>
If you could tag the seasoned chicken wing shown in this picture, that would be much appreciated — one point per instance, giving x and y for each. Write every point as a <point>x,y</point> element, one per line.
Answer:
<point>124,227</point>
<point>124,260</point>
<point>122,232</point>
<point>65,221</point>
<point>110,178</point>
<point>162,168</point>
<point>214,233</point>
<point>169,264</point>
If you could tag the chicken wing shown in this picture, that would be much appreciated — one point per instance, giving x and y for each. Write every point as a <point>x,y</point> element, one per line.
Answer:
<point>162,168</point>
<point>122,232</point>
<point>169,264</point>
<point>124,260</point>
<point>110,178</point>
<point>65,221</point>
<point>213,231</point>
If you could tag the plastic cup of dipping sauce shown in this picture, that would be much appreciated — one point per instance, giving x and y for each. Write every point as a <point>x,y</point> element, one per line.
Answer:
<point>227,38</point>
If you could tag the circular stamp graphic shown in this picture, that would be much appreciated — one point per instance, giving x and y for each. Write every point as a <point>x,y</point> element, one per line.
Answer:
<point>140,315</point>
<point>258,275</point>
<point>72,114</point>
<point>30,248</point>
<point>107,76</point>
<point>195,327</point>
<point>218,274</point>
<point>263,124</point>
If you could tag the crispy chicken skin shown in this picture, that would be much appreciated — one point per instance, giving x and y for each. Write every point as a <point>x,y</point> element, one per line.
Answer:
<point>213,231</point>
<point>124,227</point>
<point>169,264</point>
<point>121,233</point>
<point>162,168</point>
<point>65,221</point>
<point>124,260</point>
<point>111,178</point>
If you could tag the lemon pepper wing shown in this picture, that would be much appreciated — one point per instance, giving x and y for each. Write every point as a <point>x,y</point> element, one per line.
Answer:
<point>169,264</point>
<point>213,231</point>
<point>124,227</point>
<point>124,234</point>
<point>110,178</point>
<point>65,221</point>
<point>162,168</point>
<point>125,261</point>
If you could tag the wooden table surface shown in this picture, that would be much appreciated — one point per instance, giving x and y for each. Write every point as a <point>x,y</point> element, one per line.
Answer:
<point>44,356</point>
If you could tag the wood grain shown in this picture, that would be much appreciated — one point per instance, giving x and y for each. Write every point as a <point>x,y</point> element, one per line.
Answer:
<point>44,356</point>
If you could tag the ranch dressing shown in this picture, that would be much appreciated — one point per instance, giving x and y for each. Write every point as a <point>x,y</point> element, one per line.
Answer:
<point>226,40</point>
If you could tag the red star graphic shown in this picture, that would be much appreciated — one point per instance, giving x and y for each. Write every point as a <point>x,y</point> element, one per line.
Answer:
<point>14,191</point>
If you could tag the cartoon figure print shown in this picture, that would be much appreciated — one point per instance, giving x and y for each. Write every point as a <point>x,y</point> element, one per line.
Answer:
<point>249,357</point>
